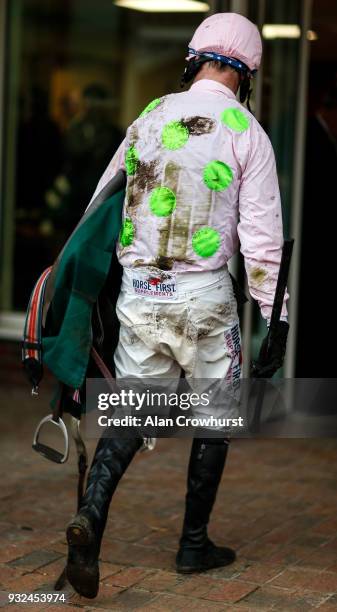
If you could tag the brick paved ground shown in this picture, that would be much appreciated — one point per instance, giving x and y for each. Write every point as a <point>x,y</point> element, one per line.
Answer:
<point>276,507</point>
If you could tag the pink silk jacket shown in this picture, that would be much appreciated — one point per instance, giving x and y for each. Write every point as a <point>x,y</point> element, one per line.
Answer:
<point>201,179</point>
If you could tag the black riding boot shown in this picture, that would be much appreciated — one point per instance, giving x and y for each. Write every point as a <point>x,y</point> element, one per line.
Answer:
<point>196,552</point>
<point>85,531</point>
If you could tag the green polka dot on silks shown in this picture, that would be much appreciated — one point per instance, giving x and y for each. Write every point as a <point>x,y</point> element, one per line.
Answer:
<point>235,119</point>
<point>217,175</point>
<point>162,201</point>
<point>152,105</point>
<point>206,241</point>
<point>127,233</point>
<point>174,135</point>
<point>131,160</point>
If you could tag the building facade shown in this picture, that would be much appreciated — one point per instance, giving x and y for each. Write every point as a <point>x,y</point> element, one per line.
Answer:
<point>75,73</point>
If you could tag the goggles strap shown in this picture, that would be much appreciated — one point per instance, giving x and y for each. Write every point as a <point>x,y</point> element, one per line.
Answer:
<point>224,59</point>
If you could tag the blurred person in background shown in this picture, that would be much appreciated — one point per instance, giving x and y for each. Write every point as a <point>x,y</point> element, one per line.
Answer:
<point>39,160</point>
<point>89,141</point>
<point>319,223</point>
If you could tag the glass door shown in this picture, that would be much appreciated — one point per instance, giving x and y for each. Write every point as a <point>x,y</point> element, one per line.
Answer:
<point>78,72</point>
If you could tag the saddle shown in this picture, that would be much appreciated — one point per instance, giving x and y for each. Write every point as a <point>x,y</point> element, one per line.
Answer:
<point>71,324</point>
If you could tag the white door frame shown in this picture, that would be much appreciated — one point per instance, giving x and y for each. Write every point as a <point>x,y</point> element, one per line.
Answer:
<point>297,190</point>
<point>241,6</point>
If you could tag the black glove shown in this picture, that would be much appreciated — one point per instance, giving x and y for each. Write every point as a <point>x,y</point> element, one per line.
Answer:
<point>272,352</point>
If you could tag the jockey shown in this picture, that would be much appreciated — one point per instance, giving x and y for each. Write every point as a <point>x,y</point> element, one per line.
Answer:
<point>201,180</point>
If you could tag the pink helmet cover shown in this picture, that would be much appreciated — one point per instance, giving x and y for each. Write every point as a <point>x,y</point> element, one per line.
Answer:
<point>229,34</point>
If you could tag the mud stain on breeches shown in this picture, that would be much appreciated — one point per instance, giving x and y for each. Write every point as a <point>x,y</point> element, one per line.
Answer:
<point>177,325</point>
<point>224,310</point>
<point>206,326</point>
